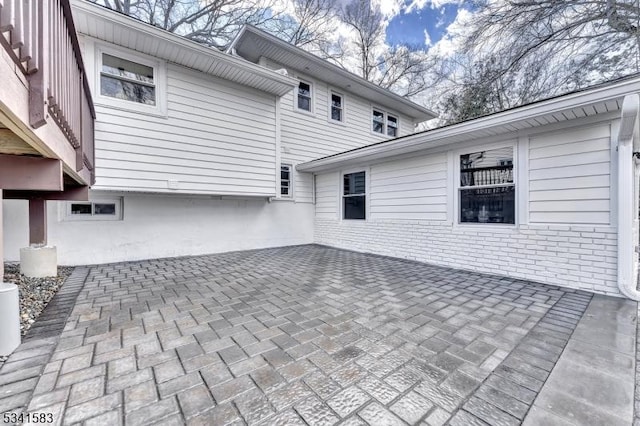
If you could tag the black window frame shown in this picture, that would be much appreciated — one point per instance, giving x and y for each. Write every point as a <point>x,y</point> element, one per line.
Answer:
<point>495,183</point>
<point>352,200</point>
<point>289,186</point>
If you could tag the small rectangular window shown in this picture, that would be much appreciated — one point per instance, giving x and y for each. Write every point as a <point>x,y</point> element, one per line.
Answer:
<point>378,121</point>
<point>392,126</point>
<point>304,96</point>
<point>336,107</point>
<point>487,188</point>
<point>285,180</point>
<point>354,196</point>
<point>127,80</point>
<point>94,210</point>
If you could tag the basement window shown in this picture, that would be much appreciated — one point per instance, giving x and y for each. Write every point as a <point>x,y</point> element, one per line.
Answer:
<point>354,196</point>
<point>94,210</point>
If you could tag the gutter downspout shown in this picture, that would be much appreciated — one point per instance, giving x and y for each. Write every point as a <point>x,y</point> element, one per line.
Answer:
<point>627,143</point>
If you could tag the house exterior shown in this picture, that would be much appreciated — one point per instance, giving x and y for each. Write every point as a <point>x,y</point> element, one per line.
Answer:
<point>545,192</point>
<point>264,145</point>
<point>199,156</point>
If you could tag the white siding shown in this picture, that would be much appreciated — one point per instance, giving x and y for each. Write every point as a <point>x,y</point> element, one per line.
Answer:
<point>414,188</point>
<point>162,225</point>
<point>217,138</point>
<point>569,178</point>
<point>569,182</point>
<point>327,195</point>
<point>308,136</point>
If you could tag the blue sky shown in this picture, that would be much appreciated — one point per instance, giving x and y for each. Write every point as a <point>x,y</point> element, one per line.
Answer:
<point>409,28</point>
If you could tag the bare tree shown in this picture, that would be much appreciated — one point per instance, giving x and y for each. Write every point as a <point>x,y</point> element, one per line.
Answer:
<point>210,22</point>
<point>525,50</point>
<point>308,25</point>
<point>402,69</point>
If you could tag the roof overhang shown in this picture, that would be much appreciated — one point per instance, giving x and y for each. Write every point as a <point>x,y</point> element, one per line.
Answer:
<point>602,99</point>
<point>252,43</point>
<point>113,27</point>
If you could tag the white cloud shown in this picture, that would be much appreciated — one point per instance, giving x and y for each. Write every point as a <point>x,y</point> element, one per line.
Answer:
<point>427,38</point>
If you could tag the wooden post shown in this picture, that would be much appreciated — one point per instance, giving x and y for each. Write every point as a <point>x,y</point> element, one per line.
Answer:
<point>38,221</point>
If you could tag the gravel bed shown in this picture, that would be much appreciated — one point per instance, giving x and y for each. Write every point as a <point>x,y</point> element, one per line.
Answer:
<point>34,293</point>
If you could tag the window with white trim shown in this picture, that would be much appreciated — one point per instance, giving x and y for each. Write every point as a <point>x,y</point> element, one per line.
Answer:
<point>336,112</point>
<point>487,189</point>
<point>127,80</point>
<point>94,210</point>
<point>384,123</point>
<point>285,180</point>
<point>304,96</point>
<point>392,125</point>
<point>354,195</point>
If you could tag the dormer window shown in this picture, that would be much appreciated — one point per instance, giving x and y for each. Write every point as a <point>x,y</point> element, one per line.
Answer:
<point>304,96</point>
<point>384,123</point>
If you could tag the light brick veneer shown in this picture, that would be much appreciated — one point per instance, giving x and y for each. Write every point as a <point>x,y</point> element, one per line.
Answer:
<point>580,257</point>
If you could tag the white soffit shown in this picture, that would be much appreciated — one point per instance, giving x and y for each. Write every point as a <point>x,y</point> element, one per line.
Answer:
<point>113,27</point>
<point>253,43</point>
<point>601,99</point>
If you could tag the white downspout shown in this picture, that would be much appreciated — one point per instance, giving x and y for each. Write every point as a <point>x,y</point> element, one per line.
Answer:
<point>627,144</point>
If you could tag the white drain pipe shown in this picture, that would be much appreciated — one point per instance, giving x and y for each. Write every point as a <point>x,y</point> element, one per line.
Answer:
<point>627,213</point>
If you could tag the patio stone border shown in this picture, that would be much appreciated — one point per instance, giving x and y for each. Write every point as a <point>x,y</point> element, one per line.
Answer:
<point>52,320</point>
<point>508,393</point>
<point>21,372</point>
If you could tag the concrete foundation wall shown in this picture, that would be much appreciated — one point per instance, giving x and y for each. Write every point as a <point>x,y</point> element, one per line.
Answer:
<point>580,257</point>
<point>155,226</point>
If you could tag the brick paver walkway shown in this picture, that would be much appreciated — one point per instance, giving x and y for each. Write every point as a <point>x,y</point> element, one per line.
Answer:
<point>298,335</point>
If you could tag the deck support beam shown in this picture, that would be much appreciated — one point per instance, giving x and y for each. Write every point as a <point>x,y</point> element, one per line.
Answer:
<point>30,173</point>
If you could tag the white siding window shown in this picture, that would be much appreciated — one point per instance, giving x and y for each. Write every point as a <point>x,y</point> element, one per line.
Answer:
<point>336,112</point>
<point>285,180</point>
<point>354,195</point>
<point>304,96</point>
<point>110,209</point>
<point>127,80</point>
<point>132,82</point>
<point>392,126</point>
<point>486,187</point>
<point>384,123</point>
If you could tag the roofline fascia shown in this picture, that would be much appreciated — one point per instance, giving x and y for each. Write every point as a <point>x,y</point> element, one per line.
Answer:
<point>324,63</point>
<point>418,141</point>
<point>149,29</point>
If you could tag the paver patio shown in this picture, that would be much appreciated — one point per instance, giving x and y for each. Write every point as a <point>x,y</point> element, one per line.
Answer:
<point>297,335</point>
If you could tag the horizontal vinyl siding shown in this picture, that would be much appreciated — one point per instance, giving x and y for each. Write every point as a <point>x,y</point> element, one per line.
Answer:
<point>309,136</point>
<point>217,138</point>
<point>327,187</point>
<point>569,176</point>
<point>413,188</point>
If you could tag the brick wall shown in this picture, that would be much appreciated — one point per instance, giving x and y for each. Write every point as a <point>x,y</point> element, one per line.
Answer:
<point>580,257</point>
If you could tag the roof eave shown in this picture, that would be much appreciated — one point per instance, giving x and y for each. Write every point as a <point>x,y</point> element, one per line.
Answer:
<point>418,113</point>
<point>438,137</point>
<point>284,83</point>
